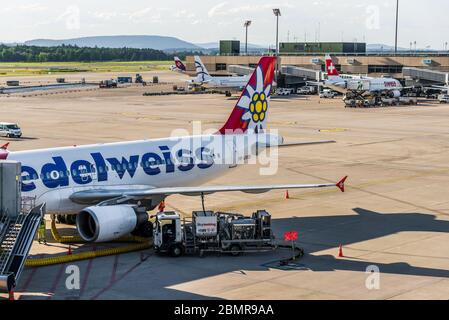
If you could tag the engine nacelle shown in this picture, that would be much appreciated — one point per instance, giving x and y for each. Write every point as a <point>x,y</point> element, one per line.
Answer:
<point>106,223</point>
<point>395,94</point>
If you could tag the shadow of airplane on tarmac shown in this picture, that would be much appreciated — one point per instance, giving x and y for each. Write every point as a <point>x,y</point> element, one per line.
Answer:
<point>159,276</point>
<point>321,233</point>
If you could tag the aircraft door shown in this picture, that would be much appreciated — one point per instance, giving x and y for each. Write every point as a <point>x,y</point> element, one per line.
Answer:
<point>231,152</point>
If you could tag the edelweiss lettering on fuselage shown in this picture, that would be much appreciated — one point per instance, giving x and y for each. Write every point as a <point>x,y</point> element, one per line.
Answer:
<point>58,173</point>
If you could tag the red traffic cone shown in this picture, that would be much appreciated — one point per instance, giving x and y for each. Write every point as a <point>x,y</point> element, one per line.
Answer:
<point>11,295</point>
<point>70,250</point>
<point>340,251</point>
<point>287,196</point>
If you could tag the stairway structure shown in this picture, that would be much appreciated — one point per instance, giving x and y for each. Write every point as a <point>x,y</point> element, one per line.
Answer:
<point>19,221</point>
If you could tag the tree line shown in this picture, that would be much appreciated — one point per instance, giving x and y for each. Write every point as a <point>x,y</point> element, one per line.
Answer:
<point>66,53</point>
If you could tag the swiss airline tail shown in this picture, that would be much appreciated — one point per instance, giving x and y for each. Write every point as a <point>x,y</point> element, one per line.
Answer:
<point>250,112</point>
<point>179,64</point>
<point>330,67</point>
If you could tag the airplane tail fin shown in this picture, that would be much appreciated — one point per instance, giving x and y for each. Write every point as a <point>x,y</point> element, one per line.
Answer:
<point>4,151</point>
<point>250,112</point>
<point>330,67</point>
<point>179,64</point>
<point>202,74</point>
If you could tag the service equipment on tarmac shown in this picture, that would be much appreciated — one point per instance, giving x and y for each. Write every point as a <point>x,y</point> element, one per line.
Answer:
<point>209,231</point>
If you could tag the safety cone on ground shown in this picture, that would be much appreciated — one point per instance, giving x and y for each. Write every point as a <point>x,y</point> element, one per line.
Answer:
<point>11,295</point>
<point>287,196</point>
<point>340,251</point>
<point>70,250</point>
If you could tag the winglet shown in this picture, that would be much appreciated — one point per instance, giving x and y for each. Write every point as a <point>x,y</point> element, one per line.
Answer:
<point>5,146</point>
<point>341,184</point>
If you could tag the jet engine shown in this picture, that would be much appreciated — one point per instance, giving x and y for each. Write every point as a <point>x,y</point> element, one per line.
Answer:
<point>395,94</point>
<point>106,223</point>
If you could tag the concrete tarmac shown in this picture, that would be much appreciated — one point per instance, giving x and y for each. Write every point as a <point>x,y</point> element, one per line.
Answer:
<point>393,218</point>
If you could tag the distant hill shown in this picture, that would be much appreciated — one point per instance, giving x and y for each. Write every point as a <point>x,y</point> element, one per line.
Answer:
<point>377,47</point>
<point>136,42</point>
<point>216,45</point>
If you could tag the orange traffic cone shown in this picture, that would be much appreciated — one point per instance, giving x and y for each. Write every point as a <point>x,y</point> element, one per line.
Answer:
<point>340,252</point>
<point>70,250</point>
<point>287,196</point>
<point>11,295</point>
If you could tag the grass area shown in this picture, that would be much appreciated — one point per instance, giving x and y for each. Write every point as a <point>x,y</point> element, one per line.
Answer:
<point>8,69</point>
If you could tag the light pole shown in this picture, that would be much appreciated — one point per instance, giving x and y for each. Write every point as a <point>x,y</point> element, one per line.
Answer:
<point>246,25</point>
<point>277,13</point>
<point>397,24</point>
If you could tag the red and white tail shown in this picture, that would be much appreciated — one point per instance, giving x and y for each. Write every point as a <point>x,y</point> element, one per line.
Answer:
<point>4,151</point>
<point>179,64</point>
<point>330,67</point>
<point>250,112</point>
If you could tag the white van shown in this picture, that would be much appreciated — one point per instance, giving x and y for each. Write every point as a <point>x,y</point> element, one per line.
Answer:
<point>10,130</point>
<point>327,94</point>
<point>443,98</point>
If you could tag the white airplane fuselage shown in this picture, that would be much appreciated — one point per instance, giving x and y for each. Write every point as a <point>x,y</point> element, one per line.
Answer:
<point>227,82</point>
<point>53,175</point>
<point>372,85</point>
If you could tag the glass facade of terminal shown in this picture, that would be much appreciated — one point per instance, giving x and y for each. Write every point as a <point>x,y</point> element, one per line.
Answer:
<point>321,47</point>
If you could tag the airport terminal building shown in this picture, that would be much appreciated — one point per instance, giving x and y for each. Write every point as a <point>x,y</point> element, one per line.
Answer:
<point>349,58</point>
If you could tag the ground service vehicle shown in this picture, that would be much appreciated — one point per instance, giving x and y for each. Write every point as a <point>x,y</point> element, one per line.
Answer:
<point>108,84</point>
<point>329,94</point>
<point>443,98</point>
<point>307,90</point>
<point>10,130</point>
<point>284,91</point>
<point>209,231</point>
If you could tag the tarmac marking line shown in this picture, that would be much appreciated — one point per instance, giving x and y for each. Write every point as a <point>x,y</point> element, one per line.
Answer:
<point>415,288</point>
<point>30,277</point>
<point>56,282</point>
<point>86,277</point>
<point>109,286</point>
<point>114,268</point>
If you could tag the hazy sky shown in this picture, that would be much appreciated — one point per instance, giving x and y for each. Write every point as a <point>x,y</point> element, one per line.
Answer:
<point>207,21</point>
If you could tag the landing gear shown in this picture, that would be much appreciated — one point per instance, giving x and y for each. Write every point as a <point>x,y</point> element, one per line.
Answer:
<point>69,219</point>
<point>145,230</point>
<point>61,218</point>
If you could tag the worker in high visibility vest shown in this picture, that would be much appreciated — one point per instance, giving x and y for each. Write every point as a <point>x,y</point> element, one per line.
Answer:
<point>41,232</point>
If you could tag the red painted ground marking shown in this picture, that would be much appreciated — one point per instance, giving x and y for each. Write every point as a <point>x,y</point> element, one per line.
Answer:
<point>114,269</point>
<point>86,276</point>
<point>105,289</point>
<point>28,280</point>
<point>56,282</point>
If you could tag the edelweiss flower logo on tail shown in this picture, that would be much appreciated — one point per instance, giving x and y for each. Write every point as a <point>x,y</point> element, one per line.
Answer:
<point>250,112</point>
<point>255,101</point>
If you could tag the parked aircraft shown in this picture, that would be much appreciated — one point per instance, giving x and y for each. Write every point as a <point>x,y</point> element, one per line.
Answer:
<point>226,82</point>
<point>361,86</point>
<point>178,66</point>
<point>111,187</point>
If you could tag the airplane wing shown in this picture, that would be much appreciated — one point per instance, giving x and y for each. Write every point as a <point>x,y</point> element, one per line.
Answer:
<point>299,144</point>
<point>97,195</point>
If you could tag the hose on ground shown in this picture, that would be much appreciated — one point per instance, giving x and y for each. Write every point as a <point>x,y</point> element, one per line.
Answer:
<point>141,244</point>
